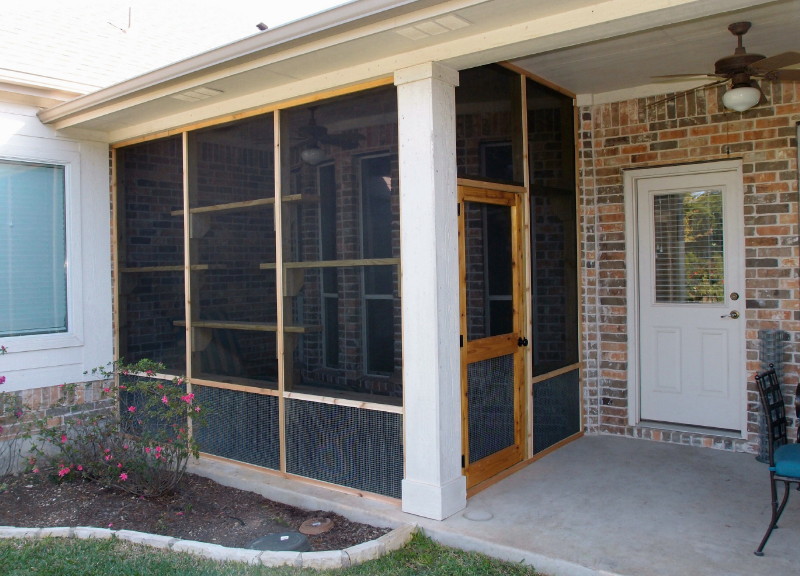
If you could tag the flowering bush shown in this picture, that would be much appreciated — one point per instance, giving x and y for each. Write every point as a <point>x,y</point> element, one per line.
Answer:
<point>142,445</point>
<point>11,427</point>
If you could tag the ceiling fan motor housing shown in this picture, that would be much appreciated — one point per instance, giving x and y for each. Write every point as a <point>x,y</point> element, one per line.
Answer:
<point>730,65</point>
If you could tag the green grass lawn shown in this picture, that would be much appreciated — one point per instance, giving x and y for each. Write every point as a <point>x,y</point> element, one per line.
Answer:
<point>73,557</point>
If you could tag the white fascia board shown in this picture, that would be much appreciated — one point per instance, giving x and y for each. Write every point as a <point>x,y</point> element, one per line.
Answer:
<point>339,24</point>
<point>591,23</point>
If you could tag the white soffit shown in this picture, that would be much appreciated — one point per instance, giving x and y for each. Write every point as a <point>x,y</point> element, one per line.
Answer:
<point>584,46</point>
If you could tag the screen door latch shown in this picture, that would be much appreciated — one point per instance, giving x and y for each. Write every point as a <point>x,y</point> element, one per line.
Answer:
<point>522,341</point>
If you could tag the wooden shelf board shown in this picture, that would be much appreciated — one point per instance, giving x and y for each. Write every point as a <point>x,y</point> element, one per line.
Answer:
<point>248,326</point>
<point>335,263</point>
<point>243,205</point>
<point>148,269</point>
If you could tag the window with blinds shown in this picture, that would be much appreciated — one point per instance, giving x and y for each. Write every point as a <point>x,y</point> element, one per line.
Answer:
<point>689,264</point>
<point>33,277</point>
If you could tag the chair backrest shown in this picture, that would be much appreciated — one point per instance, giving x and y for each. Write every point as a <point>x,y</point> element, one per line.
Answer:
<point>769,388</point>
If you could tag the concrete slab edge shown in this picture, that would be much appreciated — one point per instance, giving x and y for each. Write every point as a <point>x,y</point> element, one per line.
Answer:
<point>326,560</point>
<point>542,563</point>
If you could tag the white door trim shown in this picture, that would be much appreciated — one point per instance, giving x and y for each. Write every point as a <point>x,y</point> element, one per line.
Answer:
<point>631,178</point>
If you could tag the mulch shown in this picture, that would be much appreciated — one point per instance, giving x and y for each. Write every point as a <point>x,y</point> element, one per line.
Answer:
<point>200,509</point>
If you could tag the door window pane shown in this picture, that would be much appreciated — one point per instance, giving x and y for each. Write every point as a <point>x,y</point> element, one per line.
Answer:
<point>689,264</point>
<point>33,275</point>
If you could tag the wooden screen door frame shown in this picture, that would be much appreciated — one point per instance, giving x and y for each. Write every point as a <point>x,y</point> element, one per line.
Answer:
<point>514,342</point>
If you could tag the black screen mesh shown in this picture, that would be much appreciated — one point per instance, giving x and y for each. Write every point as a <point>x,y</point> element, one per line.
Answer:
<point>490,392</point>
<point>352,447</point>
<point>556,410</point>
<point>240,425</point>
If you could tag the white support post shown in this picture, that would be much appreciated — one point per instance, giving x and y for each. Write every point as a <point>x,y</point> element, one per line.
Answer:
<point>434,486</point>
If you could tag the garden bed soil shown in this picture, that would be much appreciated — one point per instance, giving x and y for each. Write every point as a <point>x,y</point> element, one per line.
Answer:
<point>199,510</point>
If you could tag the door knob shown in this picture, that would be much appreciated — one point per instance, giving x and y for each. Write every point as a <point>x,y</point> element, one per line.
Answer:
<point>522,341</point>
<point>733,314</point>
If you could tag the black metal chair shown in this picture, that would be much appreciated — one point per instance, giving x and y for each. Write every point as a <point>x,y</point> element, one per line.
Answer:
<point>784,458</point>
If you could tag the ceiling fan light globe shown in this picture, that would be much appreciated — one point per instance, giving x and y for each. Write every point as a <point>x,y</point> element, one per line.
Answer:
<point>741,98</point>
<point>313,156</point>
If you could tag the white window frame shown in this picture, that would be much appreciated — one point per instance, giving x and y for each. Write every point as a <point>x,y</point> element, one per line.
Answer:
<point>73,337</point>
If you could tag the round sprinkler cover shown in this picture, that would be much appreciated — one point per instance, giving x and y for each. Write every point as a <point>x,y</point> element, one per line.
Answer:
<point>316,526</point>
<point>282,542</point>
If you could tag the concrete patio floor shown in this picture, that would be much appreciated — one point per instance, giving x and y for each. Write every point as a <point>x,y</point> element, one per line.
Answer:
<point>601,505</point>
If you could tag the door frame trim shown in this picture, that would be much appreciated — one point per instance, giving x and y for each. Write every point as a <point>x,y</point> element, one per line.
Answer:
<point>631,178</point>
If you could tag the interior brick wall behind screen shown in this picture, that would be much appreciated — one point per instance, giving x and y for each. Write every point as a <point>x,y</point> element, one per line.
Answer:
<point>692,128</point>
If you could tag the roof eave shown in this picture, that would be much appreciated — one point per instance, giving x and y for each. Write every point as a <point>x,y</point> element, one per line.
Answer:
<point>321,25</point>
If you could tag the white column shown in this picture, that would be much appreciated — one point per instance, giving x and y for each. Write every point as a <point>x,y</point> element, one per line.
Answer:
<point>433,486</point>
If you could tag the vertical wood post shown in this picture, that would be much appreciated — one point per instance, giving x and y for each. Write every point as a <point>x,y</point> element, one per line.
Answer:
<point>434,485</point>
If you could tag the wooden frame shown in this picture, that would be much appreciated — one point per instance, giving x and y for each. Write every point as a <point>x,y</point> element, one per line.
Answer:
<point>495,346</point>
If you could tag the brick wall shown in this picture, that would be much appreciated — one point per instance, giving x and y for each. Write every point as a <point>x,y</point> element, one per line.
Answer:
<point>691,128</point>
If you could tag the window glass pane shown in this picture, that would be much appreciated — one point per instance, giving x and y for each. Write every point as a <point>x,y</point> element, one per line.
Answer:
<point>689,265</point>
<point>150,244</point>
<point>554,268</point>
<point>489,125</point>
<point>33,276</point>
<point>341,248</point>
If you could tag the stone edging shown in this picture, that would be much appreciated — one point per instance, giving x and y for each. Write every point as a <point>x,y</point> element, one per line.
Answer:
<point>327,560</point>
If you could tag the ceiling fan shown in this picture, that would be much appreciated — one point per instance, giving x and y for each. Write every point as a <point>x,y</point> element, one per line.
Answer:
<point>312,135</point>
<point>740,68</point>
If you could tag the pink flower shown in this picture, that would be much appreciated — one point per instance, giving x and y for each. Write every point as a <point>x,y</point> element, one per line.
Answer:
<point>35,470</point>
<point>188,398</point>
<point>123,476</point>
<point>63,472</point>
<point>119,464</point>
<point>164,399</point>
<point>149,372</point>
<point>107,457</point>
<point>147,449</point>
<point>160,386</point>
<point>2,379</point>
<point>63,438</point>
<point>131,409</point>
<point>80,468</point>
<point>110,524</point>
<point>106,390</point>
<point>197,408</point>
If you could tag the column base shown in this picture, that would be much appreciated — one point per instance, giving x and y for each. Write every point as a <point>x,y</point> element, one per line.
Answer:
<point>435,501</point>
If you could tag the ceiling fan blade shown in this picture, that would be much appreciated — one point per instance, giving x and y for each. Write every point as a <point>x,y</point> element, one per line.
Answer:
<point>677,77</point>
<point>344,140</point>
<point>792,75</point>
<point>767,65</point>
<point>677,95</point>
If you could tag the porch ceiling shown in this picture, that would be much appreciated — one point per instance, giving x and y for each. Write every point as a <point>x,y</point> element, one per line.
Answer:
<point>592,49</point>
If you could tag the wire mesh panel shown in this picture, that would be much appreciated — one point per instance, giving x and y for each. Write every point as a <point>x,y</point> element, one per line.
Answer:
<point>240,425</point>
<point>490,393</point>
<point>352,447</point>
<point>556,410</point>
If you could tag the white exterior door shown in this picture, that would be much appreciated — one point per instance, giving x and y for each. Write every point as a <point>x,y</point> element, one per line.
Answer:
<point>690,262</point>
